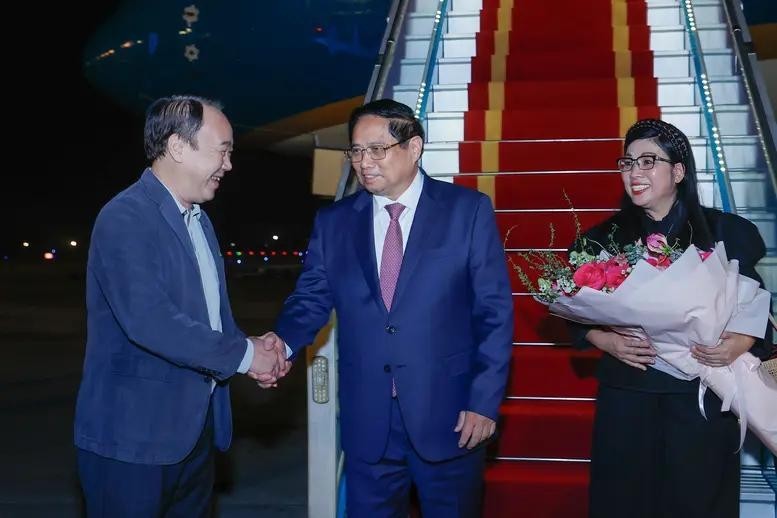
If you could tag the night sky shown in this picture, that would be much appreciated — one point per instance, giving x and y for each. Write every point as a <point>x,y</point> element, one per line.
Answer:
<point>69,149</point>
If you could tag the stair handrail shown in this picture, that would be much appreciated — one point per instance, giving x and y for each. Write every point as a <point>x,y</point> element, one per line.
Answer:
<point>431,60</point>
<point>708,109</point>
<point>760,104</point>
<point>380,73</point>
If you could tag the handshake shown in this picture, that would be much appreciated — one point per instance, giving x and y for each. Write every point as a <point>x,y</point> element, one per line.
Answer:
<point>269,363</point>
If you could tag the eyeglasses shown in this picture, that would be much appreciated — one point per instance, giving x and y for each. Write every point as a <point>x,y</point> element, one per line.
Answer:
<point>644,162</point>
<point>376,152</point>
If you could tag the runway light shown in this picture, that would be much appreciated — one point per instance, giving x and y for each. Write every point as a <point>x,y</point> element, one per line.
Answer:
<point>48,256</point>
<point>26,244</point>
<point>73,243</point>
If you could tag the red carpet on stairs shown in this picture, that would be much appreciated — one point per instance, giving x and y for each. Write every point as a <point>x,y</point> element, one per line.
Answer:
<point>554,87</point>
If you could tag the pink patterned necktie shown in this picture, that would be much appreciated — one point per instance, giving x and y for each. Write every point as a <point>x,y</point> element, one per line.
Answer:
<point>391,260</point>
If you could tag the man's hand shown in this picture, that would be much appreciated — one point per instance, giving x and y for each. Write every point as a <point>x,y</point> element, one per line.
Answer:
<point>731,346</point>
<point>474,428</point>
<point>274,342</point>
<point>269,363</point>
<point>633,351</point>
<point>265,367</point>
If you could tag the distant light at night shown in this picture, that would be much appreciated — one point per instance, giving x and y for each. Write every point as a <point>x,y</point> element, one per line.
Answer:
<point>74,243</point>
<point>275,237</point>
<point>26,244</point>
<point>53,250</point>
<point>48,256</point>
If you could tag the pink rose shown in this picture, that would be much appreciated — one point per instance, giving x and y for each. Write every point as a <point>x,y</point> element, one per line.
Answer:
<point>591,275</point>
<point>705,255</point>
<point>661,262</point>
<point>657,243</point>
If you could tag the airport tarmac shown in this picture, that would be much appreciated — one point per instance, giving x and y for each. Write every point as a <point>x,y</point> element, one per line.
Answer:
<point>42,337</point>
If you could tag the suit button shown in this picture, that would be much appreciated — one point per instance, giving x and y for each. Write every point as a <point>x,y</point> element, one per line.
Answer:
<point>391,330</point>
<point>387,368</point>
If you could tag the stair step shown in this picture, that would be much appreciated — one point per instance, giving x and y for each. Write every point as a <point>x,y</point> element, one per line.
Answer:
<point>460,21</point>
<point>548,429</point>
<point>556,94</point>
<point>545,155</point>
<point>468,45</point>
<point>452,90</point>
<point>553,371</point>
<point>535,325</point>
<point>563,64</point>
<point>531,228</point>
<point>572,123</point>
<point>536,489</point>
<point>443,158</point>
<point>593,190</point>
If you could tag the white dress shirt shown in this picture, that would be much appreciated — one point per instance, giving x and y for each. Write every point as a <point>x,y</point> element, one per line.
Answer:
<point>381,218</point>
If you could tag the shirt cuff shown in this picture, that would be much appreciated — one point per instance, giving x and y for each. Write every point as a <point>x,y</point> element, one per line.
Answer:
<point>248,358</point>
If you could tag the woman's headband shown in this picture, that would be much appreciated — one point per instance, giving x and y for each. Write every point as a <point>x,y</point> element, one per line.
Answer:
<point>671,134</point>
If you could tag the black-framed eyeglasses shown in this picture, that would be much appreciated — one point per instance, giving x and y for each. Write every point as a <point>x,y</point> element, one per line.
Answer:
<point>644,162</point>
<point>375,152</point>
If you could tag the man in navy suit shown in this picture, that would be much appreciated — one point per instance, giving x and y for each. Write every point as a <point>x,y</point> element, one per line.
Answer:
<point>162,342</point>
<point>416,272</point>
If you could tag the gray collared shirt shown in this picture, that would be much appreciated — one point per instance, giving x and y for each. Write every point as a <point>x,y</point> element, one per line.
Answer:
<point>208,274</point>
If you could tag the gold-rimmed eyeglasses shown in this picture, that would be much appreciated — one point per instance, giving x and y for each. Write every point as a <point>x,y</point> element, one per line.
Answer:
<point>375,152</point>
<point>644,162</point>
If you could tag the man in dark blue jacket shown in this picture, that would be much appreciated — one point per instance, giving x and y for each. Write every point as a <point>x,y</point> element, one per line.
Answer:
<point>162,342</point>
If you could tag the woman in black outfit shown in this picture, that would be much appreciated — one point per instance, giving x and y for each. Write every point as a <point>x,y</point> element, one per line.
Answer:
<point>653,454</point>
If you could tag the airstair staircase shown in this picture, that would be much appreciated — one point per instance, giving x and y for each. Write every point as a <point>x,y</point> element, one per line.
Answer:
<point>525,100</point>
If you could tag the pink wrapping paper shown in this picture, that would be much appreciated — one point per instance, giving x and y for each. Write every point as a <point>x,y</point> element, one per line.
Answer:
<point>692,302</point>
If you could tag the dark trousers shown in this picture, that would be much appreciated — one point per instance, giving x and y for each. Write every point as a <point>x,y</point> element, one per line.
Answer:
<point>447,489</point>
<point>116,489</point>
<point>655,456</point>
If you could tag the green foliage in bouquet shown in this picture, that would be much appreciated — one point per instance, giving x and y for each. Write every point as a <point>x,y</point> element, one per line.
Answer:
<point>601,267</point>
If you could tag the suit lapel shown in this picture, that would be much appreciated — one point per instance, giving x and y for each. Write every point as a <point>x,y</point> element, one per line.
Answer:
<point>364,243</point>
<point>176,222</point>
<point>426,218</point>
<point>169,210</point>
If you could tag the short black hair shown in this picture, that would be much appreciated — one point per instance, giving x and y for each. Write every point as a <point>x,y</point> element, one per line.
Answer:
<point>403,125</point>
<point>178,114</point>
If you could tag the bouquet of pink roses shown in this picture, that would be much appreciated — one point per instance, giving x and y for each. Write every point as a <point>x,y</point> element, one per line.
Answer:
<point>675,299</point>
